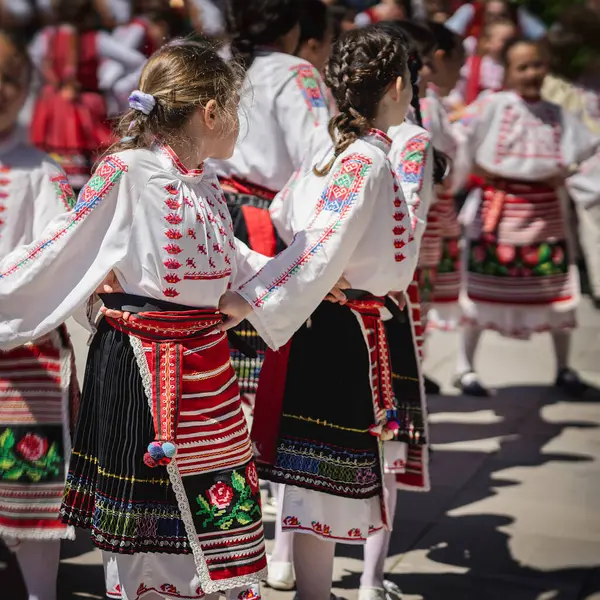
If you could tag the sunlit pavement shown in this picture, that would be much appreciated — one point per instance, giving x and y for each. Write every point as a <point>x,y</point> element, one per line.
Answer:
<point>514,513</point>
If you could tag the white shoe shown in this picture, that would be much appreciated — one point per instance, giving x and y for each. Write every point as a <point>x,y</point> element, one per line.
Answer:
<point>281,576</point>
<point>371,594</point>
<point>392,591</point>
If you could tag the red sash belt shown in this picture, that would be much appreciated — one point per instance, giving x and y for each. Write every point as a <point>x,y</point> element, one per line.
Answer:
<point>162,335</point>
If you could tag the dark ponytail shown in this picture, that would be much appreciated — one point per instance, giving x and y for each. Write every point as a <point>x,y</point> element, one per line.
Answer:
<point>252,23</point>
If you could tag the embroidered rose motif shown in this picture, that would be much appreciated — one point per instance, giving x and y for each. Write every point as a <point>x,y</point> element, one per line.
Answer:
<point>355,533</point>
<point>322,529</point>
<point>220,495</point>
<point>558,255</point>
<point>171,189</point>
<point>252,477</point>
<point>32,446</point>
<point>248,595</point>
<point>290,521</point>
<point>505,253</point>
<point>530,255</point>
<point>172,278</point>
<point>169,588</point>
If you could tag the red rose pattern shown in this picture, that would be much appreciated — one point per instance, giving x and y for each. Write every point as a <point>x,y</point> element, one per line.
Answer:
<point>220,495</point>
<point>32,447</point>
<point>252,477</point>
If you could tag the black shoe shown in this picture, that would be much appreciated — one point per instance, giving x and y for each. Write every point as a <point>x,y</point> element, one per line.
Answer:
<point>431,387</point>
<point>570,382</point>
<point>469,385</point>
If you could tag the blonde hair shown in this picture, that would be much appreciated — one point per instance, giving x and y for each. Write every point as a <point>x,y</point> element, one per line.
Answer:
<point>181,77</point>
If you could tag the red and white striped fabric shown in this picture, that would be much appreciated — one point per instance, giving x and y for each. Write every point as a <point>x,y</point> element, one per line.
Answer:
<point>35,418</point>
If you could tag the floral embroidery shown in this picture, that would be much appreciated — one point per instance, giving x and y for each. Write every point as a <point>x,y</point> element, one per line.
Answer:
<point>355,533</point>
<point>290,521</point>
<point>307,80</point>
<point>169,588</point>
<point>171,189</point>
<point>172,263</point>
<point>191,233</point>
<point>413,160</point>
<point>190,262</point>
<point>172,278</point>
<point>218,248</point>
<point>170,292</point>
<point>345,187</point>
<point>32,458</point>
<point>106,176</point>
<point>172,204</point>
<point>202,248</point>
<point>248,595</point>
<point>322,529</point>
<point>227,504</point>
<point>173,234</point>
<point>64,191</point>
<point>252,477</point>
<point>173,219</point>
<point>173,249</point>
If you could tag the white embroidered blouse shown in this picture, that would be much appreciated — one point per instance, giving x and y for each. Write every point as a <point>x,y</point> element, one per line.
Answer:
<point>435,120</point>
<point>511,138</point>
<point>33,191</point>
<point>354,221</point>
<point>284,104</point>
<point>164,230</point>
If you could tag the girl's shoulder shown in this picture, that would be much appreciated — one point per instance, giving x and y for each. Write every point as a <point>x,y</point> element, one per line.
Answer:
<point>280,69</point>
<point>401,134</point>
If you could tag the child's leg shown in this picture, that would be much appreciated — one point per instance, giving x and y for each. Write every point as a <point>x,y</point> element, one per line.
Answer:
<point>313,560</point>
<point>38,561</point>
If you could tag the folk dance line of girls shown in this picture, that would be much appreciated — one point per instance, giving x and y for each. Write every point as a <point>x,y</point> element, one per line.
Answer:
<point>166,480</point>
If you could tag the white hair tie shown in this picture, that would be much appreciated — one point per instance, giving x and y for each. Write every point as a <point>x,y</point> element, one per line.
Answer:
<point>145,103</point>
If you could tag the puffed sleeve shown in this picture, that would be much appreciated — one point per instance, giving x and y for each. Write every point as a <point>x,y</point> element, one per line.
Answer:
<point>291,285</point>
<point>581,149</point>
<point>302,110</point>
<point>44,283</point>
<point>51,195</point>
<point>413,166</point>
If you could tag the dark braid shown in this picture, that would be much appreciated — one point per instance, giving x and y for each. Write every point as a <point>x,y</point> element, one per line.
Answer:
<point>362,66</point>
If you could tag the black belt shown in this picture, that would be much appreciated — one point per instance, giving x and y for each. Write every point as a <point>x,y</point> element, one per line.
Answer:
<point>135,304</point>
<point>235,199</point>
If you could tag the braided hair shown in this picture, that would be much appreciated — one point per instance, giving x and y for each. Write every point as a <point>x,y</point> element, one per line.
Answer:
<point>363,64</point>
<point>416,50</point>
<point>252,23</point>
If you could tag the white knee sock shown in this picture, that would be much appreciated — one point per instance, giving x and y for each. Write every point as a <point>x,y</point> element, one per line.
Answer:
<point>39,562</point>
<point>313,561</point>
<point>562,346</point>
<point>378,545</point>
<point>468,346</point>
<point>284,542</point>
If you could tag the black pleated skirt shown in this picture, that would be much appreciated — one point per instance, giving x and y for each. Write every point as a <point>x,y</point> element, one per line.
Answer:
<point>128,506</point>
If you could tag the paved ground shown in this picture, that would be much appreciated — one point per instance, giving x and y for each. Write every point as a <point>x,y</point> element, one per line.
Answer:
<point>515,509</point>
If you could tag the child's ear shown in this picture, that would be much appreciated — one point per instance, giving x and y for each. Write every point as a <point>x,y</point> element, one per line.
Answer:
<point>210,114</point>
<point>398,87</point>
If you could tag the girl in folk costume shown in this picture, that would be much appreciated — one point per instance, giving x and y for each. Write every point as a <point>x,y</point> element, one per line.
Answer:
<point>346,204</point>
<point>38,388</point>
<point>184,526</point>
<point>70,116</point>
<point>283,106</point>
<point>483,72</point>
<point>448,59</point>
<point>520,277</point>
<point>317,31</point>
<point>406,459</point>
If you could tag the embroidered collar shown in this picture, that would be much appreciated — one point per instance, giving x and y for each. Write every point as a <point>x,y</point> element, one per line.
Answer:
<point>172,163</point>
<point>378,139</point>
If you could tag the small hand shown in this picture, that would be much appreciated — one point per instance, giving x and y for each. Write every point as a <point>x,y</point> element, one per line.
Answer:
<point>399,298</point>
<point>235,308</point>
<point>336,295</point>
<point>111,285</point>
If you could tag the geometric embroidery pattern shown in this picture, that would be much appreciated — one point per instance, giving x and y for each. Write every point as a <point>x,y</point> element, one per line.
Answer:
<point>413,160</point>
<point>307,80</point>
<point>107,174</point>
<point>337,198</point>
<point>64,191</point>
